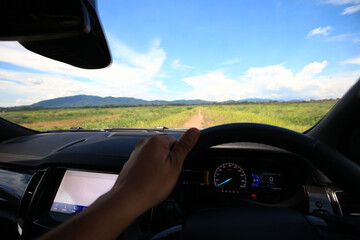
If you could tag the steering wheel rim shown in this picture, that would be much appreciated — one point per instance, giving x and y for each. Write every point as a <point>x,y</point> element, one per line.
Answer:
<point>340,169</point>
<point>259,222</point>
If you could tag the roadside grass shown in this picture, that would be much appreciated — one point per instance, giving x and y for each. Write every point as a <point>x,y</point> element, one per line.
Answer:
<point>146,117</point>
<point>298,116</point>
<point>46,115</point>
<point>121,117</point>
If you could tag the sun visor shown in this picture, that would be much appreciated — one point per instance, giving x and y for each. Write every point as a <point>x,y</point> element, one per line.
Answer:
<point>68,31</point>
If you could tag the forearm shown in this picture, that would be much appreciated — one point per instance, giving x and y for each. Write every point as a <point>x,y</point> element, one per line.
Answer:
<point>137,189</point>
<point>105,219</point>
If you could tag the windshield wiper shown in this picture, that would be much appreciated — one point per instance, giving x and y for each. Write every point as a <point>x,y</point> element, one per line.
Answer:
<point>154,129</point>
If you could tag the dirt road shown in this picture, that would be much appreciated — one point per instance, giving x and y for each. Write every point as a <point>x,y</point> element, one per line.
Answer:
<point>195,121</point>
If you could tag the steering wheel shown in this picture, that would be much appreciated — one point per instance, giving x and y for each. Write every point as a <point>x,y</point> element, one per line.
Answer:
<point>267,222</point>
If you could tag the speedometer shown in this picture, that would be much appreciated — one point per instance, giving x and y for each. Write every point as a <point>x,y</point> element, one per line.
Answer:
<point>229,177</point>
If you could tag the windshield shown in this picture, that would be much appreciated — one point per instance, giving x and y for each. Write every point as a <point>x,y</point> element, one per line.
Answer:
<point>194,64</point>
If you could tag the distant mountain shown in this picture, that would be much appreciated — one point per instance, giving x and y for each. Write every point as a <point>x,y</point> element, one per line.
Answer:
<point>95,101</point>
<point>249,100</point>
<point>255,100</point>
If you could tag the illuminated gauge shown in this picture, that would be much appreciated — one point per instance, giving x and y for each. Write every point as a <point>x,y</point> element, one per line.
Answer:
<point>229,177</point>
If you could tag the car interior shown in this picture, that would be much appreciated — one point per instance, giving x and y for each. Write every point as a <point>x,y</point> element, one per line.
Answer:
<point>285,184</point>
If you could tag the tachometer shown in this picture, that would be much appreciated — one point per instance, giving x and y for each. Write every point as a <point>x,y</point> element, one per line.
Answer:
<point>229,178</point>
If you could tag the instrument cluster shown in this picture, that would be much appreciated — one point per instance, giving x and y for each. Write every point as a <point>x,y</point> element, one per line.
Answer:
<point>259,178</point>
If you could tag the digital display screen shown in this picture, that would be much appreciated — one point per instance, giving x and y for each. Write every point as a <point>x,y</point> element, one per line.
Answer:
<point>79,190</point>
<point>268,180</point>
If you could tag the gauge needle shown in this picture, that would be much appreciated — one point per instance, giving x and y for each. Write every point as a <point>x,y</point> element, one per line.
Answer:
<point>224,182</point>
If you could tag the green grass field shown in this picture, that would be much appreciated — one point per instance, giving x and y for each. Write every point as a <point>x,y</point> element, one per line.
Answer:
<point>296,116</point>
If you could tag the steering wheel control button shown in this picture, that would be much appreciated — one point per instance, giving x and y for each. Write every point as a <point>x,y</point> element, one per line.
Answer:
<point>319,204</point>
<point>319,201</point>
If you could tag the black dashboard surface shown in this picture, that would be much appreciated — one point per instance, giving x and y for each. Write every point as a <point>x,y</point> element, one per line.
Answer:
<point>270,176</point>
<point>82,149</point>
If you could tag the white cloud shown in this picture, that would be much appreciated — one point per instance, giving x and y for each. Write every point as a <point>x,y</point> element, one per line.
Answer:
<point>131,74</point>
<point>352,61</point>
<point>320,31</point>
<point>34,87</point>
<point>274,82</point>
<point>343,37</point>
<point>342,2</point>
<point>176,65</point>
<point>311,70</point>
<point>134,74</point>
<point>353,8</point>
<point>150,62</point>
<point>215,86</point>
<point>231,61</point>
<point>323,32</point>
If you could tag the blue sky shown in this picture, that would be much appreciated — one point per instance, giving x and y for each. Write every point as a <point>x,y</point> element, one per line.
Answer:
<point>197,49</point>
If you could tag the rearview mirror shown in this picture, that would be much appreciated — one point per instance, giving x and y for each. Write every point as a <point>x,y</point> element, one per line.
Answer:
<point>41,20</point>
<point>65,30</point>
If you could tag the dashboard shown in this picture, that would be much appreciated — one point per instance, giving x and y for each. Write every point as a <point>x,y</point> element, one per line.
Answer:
<point>57,175</point>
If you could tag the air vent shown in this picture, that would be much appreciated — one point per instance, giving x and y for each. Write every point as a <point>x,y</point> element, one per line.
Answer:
<point>27,197</point>
<point>349,206</point>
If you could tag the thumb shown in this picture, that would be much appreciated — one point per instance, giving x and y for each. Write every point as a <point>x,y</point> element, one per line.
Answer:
<point>185,144</point>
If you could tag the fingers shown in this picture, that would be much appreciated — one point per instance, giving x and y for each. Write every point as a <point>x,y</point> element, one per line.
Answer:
<point>164,142</point>
<point>140,143</point>
<point>185,144</point>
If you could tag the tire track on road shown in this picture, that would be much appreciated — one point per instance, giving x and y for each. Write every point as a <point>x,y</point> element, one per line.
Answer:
<point>195,121</point>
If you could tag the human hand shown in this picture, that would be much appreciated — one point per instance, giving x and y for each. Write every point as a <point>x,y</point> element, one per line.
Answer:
<point>151,173</point>
<point>146,179</point>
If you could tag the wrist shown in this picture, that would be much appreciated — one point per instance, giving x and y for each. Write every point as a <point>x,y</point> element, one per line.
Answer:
<point>125,202</point>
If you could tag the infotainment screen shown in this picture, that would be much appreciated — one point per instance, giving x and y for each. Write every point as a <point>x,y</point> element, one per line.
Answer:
<point>79,189</point>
